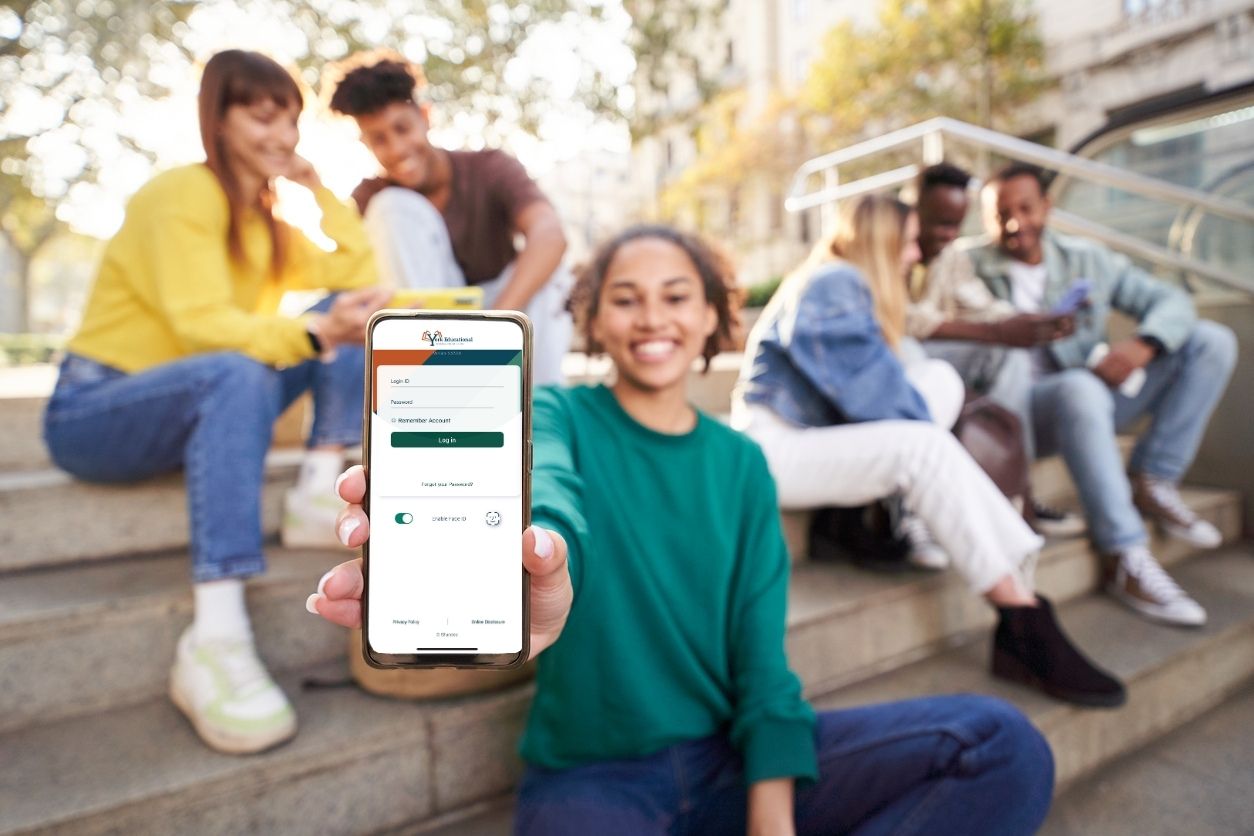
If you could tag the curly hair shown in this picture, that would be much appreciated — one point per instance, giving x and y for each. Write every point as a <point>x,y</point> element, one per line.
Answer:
<point>367,82</point>
<point>1018,169</point>
<point>718,281</point>
<point>942,174</point>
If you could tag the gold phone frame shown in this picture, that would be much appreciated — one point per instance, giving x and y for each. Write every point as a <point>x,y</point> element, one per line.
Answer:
<point>419,661</point>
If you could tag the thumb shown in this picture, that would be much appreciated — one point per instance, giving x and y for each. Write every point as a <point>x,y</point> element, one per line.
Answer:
<point>544,558</point>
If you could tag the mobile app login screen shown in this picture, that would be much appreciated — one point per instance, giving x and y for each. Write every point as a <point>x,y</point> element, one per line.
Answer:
<point>446,464</point>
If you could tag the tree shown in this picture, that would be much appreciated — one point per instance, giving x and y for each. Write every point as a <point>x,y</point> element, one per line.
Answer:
<point>974,60</point>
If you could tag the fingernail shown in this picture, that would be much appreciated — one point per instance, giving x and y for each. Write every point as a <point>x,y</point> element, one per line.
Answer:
<point>339,480</point>
<point>347,528</point>
<point>311,603</point>
<point>322,584</point>
<point>544,543</point>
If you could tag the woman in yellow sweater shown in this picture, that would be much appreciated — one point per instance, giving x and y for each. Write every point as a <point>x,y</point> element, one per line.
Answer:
<point>182,362</point>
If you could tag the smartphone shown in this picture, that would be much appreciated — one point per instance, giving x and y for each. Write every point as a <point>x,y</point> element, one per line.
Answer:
<point>1074,299</point>
<point>447,454</point>
<point>439,298</point>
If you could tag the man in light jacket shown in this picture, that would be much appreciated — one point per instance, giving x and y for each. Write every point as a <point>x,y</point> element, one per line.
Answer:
<point>1086,390</point>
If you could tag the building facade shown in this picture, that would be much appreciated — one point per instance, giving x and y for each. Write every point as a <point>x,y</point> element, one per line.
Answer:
<point>1108,61</point>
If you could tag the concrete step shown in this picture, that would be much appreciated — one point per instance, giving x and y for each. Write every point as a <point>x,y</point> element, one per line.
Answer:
<point>709,390</point>
<point>1195,780</point>
<point>57,625</point>
<point>49,519</point>
<point>359,765</point>
<point>21,434</point>
<point>87,638</point>
<point>882,621</point>
<point>1172,674</point>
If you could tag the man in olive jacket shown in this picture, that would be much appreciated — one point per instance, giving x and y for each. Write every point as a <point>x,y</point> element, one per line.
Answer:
<point>1085,390</point>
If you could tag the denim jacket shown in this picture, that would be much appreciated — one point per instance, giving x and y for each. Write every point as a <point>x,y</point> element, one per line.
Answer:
<point>817,356</point>
<point>1163,313</point>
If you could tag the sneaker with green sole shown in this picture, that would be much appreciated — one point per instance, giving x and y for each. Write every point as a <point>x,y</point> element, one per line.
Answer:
<point>228,696</point>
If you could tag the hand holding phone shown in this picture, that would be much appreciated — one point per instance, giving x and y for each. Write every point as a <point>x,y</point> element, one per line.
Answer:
<point>1027,330</point>
<point>1077,296</point>
<point>447,446</point>
<point>338,598</point>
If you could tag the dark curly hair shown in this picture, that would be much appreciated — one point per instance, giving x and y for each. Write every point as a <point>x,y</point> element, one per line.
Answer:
<point>942,174</point>
<point>367,82</point>
<point>1017,169</point>
<point>718,281</point>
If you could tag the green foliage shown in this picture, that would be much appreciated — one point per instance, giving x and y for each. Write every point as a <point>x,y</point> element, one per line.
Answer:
<point>757,295</point>
<point>27,349</point>
<point>922,58</point>
<point>927,58</point>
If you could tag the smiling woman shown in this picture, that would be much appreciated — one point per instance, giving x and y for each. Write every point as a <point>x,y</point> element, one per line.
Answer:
<point>182,363</point>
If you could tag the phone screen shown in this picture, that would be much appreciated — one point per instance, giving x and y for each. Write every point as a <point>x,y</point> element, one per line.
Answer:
<point>446,497</point>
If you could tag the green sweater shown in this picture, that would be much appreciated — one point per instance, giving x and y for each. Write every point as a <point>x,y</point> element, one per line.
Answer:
<point>681,583</point>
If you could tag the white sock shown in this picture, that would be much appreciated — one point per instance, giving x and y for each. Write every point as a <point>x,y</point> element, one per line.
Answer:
<point>220,612</point>
<point>319,471</point>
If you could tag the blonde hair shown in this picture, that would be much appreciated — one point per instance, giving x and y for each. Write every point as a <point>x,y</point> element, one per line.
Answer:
<point>869,235</point>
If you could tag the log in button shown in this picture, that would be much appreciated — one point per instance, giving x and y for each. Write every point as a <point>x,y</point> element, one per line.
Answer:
<point>411,439</point>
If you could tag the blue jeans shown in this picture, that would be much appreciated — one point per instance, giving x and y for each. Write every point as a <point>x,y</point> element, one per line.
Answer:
<point>211,415</point>
<point>938,765</point>
<point>1077,415</point>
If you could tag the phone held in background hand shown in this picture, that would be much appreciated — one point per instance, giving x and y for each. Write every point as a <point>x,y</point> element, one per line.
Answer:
<point>1076,297</point>
<point>1131,387</point>
<point>447,452</point>
<point>439,298</point>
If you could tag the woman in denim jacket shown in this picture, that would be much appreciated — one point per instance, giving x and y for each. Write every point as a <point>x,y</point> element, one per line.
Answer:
<point>825,393</point>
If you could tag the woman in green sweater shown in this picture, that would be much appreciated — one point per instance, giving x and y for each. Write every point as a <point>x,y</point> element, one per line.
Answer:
<point>664,702</point>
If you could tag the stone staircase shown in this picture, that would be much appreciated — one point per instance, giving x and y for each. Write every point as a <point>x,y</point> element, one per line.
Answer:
<point>94,591</point>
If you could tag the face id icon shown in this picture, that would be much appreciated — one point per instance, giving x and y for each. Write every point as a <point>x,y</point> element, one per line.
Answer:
<point>493,518</point>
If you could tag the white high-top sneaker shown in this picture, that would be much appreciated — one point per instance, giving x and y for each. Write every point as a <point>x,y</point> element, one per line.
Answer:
<point>1160,500</point>
<point>925,552</point>
<point>1140,582</point>
<point>228,695</point>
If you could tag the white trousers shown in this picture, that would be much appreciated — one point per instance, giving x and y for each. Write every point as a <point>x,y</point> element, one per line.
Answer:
<point>412,249</point>
<point>853,464</point>
<point>938,382</point>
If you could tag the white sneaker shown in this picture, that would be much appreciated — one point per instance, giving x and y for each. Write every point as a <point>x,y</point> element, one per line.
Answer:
<point>1160,500</point>
<point>228,696</point>
<point>924,552</point>
<point>1141,583</point>
<point>309,519</point>
<point>1055,522</point>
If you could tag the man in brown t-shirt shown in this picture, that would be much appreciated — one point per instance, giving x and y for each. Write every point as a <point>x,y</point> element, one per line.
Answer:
<point>440,218</point>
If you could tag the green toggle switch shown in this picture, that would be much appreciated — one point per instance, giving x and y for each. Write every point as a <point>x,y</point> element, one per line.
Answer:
<point>404,519</point>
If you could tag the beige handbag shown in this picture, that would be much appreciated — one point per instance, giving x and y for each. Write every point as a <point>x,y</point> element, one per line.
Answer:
<point>440,682</point>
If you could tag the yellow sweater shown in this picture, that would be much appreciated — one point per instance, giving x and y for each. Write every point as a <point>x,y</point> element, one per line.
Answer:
<point>168,288</point>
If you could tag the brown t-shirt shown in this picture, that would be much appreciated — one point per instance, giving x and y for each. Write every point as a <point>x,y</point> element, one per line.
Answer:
<point>488,191</point>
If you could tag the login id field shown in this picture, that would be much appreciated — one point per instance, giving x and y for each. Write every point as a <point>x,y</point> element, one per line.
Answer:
<point>447,431</point>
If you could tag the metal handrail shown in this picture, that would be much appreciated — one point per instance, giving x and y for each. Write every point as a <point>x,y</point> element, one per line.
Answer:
<point>1020,149</point>
<point>932,134</point>
<point>1139,248</point>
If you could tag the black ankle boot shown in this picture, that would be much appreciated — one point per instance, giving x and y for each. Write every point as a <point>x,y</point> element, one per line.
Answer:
<point>1030,647</point>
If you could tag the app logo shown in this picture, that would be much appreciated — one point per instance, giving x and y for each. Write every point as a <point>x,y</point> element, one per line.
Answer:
<point>433,337</point>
